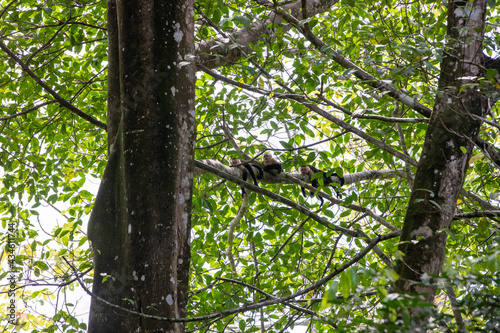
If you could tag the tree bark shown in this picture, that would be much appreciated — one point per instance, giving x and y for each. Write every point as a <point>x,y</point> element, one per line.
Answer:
<point>216,52</point>
<point>113,98</point>
<point>140,224</point>
<point>448,145</point>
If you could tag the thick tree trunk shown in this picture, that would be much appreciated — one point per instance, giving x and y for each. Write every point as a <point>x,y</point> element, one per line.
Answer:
<point>114,108</point>
<point>454,125</point>
<point>140,224</point>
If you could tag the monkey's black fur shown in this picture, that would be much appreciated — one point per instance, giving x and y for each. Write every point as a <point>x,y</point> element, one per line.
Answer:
<point>269,168</point>
<point>271,165</point>
<point>327,180</point>
<point>247,168</point>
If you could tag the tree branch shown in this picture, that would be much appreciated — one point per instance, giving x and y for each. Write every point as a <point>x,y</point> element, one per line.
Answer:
<point>230,233</point>
<point>484,204</point>
<point>470,215</point>
<point>48,42</point>
<point>358,72</point>
<point>49,90</point>
<point>268,296</point>
<point>36,107</point>
<point>247,307</point>
<point>391,119</point>
<point>275,197</point>
<point>313,107</point>
<point>488,150</point>
<point>220,169</point>
<point>216,52</point>
<point>373,81</point>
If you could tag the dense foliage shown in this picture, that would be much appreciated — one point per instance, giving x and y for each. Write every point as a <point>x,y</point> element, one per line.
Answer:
<point>50,157</point>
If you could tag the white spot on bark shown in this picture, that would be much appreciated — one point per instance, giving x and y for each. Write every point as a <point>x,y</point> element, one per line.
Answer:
<point>181,199</point>
<point>173,91</point>
<point>129,228</point>
<point>178,33</point>
<point>170,300</point>
<point>459,12</point>
<point>180,261</point>
<point>424,232</point>
<point>134,275</point>
<point>476,14</point>
<point>185,218</point>
<point>143,278</point>
<point>178,36</point>
<point>185,181</point>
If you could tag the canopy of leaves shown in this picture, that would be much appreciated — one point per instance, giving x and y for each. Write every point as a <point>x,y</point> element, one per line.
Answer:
<point>259,102</point>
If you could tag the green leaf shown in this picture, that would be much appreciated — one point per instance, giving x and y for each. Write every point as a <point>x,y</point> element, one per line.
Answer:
<point>243,20</point>
<point>216,16</point>
<point>491,73</point>
<point>330,296</point>
<point>42,265</point>
<point>345,284</point>
<point>286,145</point>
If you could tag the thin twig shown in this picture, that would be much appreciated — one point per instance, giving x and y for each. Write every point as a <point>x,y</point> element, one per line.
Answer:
<point>49,90</point>
<point>246,307</point>
<point>36,107</point>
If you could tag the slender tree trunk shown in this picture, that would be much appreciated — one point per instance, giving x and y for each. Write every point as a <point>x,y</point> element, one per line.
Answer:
<point>453,126</point>
<point>140,224</point>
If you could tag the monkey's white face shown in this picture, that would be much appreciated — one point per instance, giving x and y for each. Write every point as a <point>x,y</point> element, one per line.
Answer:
<point>267,157</point>
<point>304,169</point>
<point>234,162</point>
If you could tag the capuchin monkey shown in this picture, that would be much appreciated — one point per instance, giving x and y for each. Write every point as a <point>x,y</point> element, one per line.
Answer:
<point>309,170</point>
<point>271,165</point>
<point>247,168</point>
